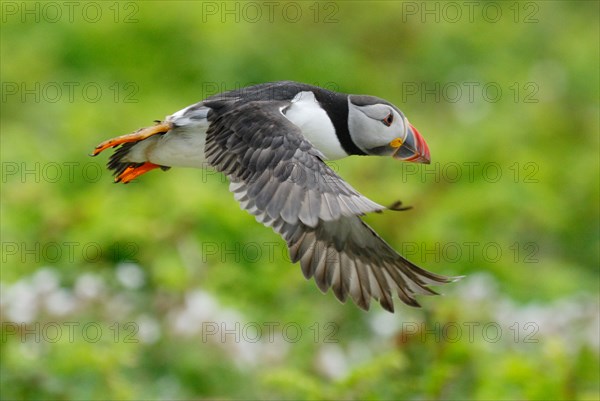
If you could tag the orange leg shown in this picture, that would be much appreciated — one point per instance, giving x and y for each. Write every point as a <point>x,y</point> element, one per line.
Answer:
<point>132,172</point>
<point>136,136</point>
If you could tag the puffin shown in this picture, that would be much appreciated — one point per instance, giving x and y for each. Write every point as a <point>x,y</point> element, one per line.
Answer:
<point>272,141</point>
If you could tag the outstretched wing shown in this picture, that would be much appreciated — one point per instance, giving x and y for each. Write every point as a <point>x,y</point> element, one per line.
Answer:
<point>279,177</point>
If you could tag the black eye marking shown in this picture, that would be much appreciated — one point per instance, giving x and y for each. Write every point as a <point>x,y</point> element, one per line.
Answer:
<point>388,120</point>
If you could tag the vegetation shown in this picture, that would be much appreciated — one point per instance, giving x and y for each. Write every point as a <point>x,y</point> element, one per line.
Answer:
<point>164,289</point>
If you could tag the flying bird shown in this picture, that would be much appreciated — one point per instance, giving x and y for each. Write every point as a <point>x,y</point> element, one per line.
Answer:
<point>272,140</point>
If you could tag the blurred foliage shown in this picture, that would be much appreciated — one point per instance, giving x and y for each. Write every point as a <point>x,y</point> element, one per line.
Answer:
<point>143,274</point>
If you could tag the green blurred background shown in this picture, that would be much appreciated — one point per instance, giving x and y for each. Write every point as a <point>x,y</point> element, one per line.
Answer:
<point>164,289</point>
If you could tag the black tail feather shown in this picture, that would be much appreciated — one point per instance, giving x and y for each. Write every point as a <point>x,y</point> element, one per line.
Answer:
<point>116,163</point>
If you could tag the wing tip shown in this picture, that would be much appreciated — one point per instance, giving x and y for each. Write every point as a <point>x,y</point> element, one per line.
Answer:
<point>454,279</point>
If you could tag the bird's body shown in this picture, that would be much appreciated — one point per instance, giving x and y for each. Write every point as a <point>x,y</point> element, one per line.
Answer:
<point>184,147</point>
<point>271,141</point>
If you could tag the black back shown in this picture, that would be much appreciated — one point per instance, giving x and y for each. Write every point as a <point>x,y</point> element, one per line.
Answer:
<point>335,104</point>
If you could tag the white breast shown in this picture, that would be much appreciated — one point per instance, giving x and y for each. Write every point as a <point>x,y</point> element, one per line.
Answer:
<point>307,114</point>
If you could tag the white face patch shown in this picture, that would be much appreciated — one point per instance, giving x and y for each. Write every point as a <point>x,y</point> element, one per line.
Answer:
<point>306,113</point>
<point>367,127</point>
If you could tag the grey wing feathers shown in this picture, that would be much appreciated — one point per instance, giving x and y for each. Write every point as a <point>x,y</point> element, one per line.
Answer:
<point>284,174</point>
<point>278,176</point>
<point>349,257</point>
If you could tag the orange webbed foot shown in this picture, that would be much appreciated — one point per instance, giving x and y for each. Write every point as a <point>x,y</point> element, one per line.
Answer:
<point>133,172</point>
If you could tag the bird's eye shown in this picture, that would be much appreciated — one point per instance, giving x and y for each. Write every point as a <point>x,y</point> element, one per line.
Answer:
<point>388,120</point>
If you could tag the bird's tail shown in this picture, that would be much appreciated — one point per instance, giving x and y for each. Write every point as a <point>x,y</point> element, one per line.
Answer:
<point>124,167</point>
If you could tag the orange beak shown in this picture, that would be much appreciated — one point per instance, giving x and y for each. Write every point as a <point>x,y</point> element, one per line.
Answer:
<point>414,148</point>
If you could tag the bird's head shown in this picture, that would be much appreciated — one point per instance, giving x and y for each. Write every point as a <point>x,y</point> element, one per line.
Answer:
<point>379,128</point>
